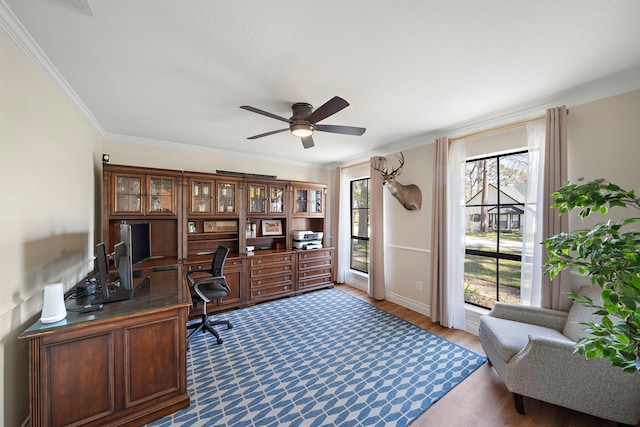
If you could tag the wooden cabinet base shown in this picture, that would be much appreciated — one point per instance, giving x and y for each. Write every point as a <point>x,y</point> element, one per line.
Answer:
<point>125,365</point>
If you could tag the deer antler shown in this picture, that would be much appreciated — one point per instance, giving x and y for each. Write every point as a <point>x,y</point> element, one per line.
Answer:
<point>397,171</point>
<point>379,164</point>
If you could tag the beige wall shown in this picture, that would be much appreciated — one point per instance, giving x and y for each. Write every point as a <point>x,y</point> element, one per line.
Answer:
<point>603,141</point>
<point>47,163</point>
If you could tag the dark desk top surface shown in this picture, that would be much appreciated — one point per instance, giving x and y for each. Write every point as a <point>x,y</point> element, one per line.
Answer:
<point>155,290</point>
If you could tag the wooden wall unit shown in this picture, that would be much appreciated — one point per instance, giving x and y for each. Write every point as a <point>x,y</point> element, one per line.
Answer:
<point>132,194</point>
<point>212,214</point>
<point>192,213</point>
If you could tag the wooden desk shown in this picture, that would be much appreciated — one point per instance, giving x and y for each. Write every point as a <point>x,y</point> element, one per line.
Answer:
<point>123,365</point>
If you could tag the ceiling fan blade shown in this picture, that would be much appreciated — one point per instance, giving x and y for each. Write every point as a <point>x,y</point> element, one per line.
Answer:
<point>267,133</point>
<point>307,141</point>
<point>327,109</point>
<point>347,130</point>
<point>264,113</point>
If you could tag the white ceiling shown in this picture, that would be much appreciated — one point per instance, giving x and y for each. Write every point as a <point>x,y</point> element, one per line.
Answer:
<point>175,72</point>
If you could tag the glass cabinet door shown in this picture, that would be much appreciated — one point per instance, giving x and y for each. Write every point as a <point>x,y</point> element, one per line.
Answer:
<point>161,195</point>
<point>302,200</point>
<point>128,197</point>
<point>276,199</point>
<point>257,197</point>
<point>226,197</point>
<point>201,196</point>
<point>315,205</point>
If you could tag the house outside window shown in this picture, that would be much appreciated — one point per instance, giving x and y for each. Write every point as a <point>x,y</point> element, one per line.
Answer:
<point>495,187</point>
<point>360,225</point>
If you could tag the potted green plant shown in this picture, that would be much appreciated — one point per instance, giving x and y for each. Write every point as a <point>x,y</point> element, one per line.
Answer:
<point>609,253</point>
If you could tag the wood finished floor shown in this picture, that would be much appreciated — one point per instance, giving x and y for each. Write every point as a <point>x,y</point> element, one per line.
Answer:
<point>481,400</point>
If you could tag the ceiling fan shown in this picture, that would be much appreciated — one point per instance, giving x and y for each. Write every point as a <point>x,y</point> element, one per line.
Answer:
<point>304,120</point>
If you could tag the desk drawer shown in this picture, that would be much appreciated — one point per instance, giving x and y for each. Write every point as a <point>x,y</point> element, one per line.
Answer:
<point>314,263</point>
<point>271,259</point>
<point>261,282</point>
<point>271,291</point>
<point>267,270</point>
<point>324,271</point>
<point>314,254</point>
<point>315,281</point>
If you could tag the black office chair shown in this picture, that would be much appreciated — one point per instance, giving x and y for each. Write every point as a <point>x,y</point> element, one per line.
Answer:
<point>207,284</point>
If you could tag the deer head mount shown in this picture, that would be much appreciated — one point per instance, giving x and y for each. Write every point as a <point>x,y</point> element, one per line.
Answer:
<point>409,195</point>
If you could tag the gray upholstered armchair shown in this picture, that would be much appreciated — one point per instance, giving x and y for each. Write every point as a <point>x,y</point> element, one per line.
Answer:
<point>531,349</point>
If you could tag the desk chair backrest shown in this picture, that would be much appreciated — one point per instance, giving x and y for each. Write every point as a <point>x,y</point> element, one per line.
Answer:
<point>217,265</point>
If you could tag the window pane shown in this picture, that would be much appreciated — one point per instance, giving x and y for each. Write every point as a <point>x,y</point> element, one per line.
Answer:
<point>511,242</point>
<point>360,255</point>
<point>475,238</point>
<point>509,279</point>
<point>480,275</point>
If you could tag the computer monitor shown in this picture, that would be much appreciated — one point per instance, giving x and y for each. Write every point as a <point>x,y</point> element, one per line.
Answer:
<point>117,293</point>
<point>140,241</point>
<point>103,267</point>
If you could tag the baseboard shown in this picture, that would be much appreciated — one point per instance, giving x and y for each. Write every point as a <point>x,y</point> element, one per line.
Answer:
<point>410,304</point>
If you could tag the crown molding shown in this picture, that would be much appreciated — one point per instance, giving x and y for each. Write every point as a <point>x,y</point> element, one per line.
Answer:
<point>14,28</point>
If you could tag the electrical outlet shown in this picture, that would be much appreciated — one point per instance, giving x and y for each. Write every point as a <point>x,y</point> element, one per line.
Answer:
<point>418,285</point>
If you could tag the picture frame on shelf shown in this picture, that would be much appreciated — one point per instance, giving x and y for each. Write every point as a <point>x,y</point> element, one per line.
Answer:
<point>191,226</point>
<point>272,227</point>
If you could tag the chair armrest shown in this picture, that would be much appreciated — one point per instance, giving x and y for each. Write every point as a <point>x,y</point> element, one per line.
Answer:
<point>546,317</point>
<point>191,280</point>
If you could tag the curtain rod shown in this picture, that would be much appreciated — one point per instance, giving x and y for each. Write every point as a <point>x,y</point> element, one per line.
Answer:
<point>497,129</point>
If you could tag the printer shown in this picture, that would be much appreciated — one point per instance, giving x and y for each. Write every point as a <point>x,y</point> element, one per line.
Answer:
<point>307,239</point>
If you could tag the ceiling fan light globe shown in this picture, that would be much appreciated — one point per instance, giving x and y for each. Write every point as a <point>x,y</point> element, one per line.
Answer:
<point>302,130</point>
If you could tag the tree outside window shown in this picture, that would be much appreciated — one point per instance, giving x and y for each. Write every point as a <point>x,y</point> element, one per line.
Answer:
<point>360,225</point>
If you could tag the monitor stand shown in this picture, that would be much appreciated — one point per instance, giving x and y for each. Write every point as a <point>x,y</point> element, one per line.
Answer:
<point>114,294</point>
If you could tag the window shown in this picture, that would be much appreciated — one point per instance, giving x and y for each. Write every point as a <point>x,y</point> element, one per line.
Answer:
<point>495,188</point>
<point>360,225</point>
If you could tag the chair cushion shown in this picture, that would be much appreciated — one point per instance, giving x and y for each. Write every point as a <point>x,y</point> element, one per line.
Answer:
<point>509,337</point>
<point>581,313</point>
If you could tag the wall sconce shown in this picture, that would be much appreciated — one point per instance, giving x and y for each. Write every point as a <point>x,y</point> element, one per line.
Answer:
<point>53,308</point>
<point>105,158</point>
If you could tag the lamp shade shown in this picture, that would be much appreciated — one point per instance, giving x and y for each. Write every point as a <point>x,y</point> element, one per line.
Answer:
<point>53,308</point>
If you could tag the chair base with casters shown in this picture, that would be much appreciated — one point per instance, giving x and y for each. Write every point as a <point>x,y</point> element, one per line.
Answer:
<point>206,324</point>
<point>206,285</point>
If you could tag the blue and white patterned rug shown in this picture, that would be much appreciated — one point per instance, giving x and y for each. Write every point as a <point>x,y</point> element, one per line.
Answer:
<point>321,359</point>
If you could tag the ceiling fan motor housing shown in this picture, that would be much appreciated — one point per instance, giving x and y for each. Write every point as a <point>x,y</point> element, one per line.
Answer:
<point>301,110</point>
